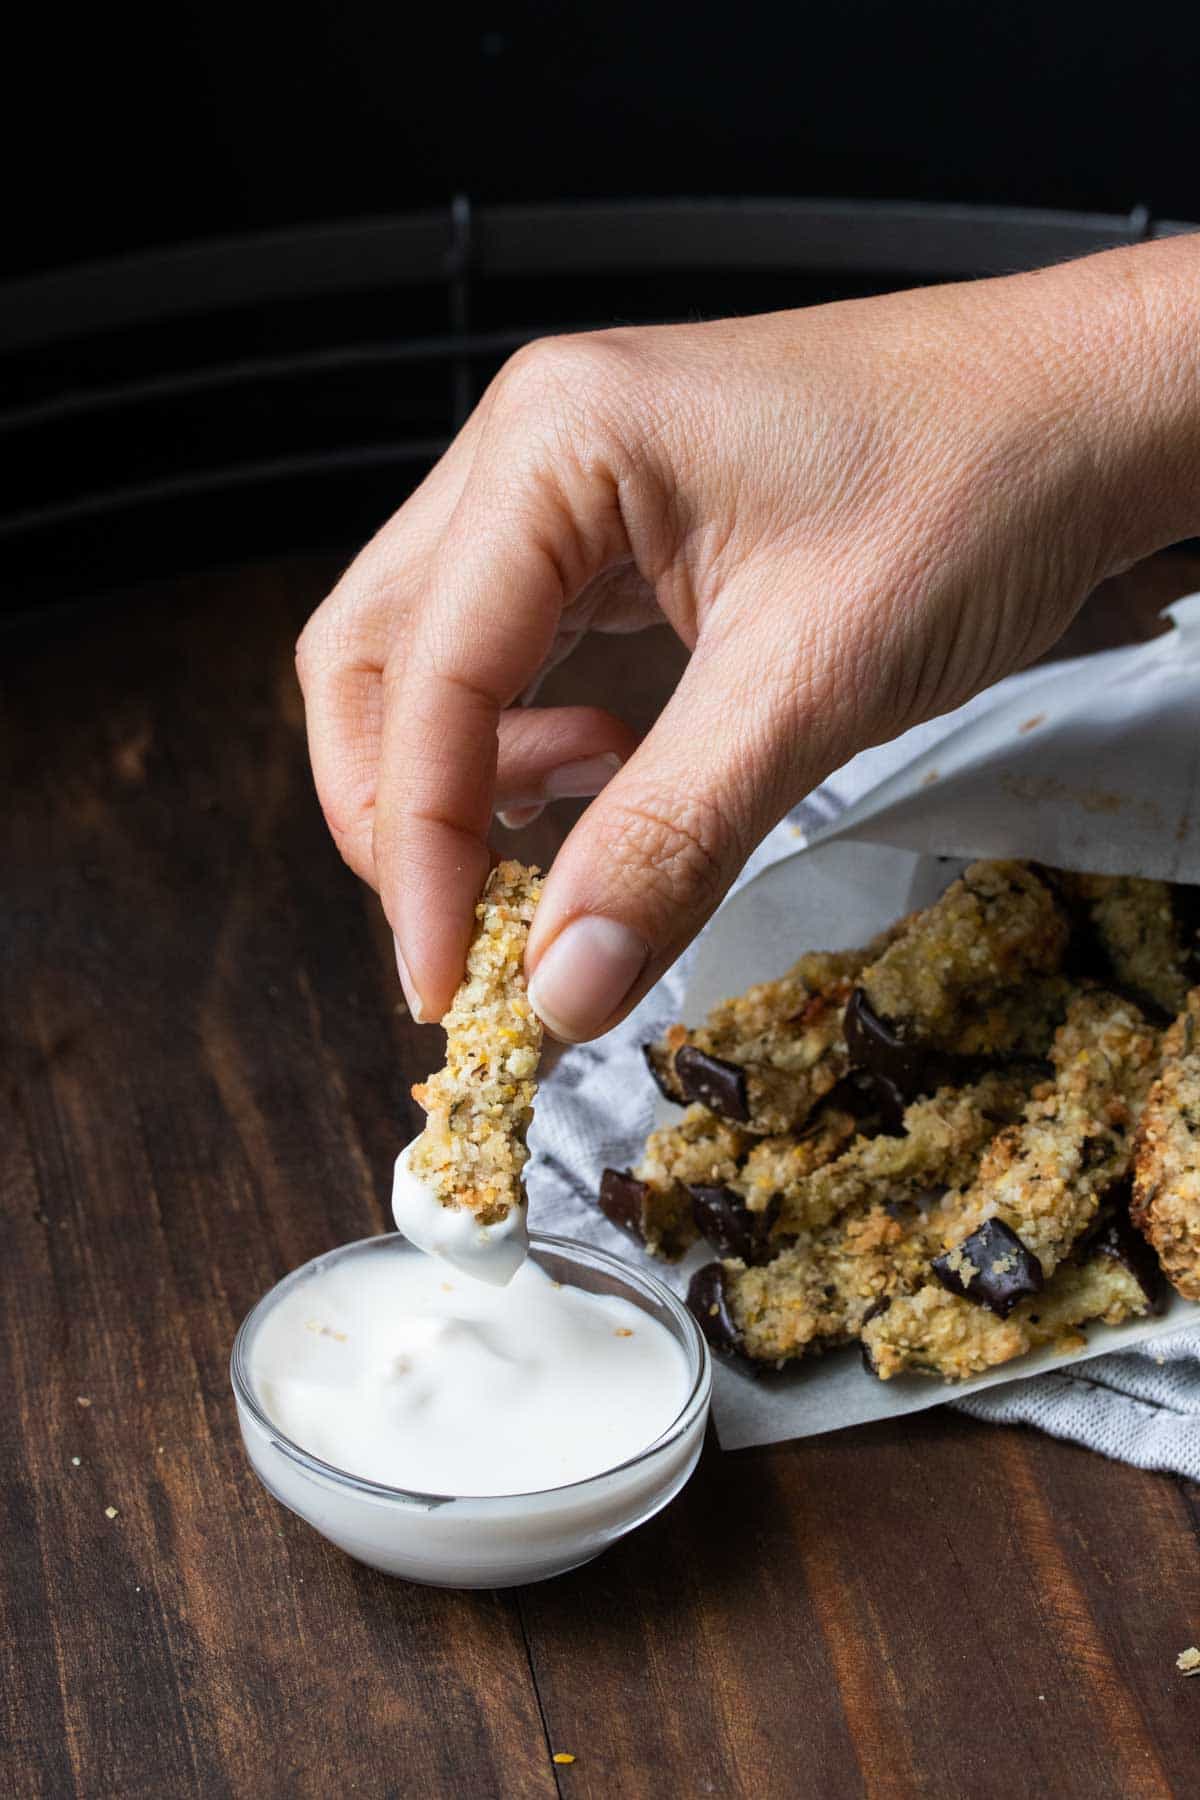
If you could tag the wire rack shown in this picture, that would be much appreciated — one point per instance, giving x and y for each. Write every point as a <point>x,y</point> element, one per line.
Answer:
<point>278,393</point>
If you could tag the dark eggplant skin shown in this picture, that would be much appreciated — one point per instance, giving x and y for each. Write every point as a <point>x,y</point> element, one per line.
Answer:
<point>708,1302</point>
<point>622,1200</point>
<point>661,1066</point>
<point>719,1085</point>
<point>999,1289</point>
<point>731,1228</point>
<point>872,1312</point>
<point>692,1075</point>
<point>1114,1234</point>
<point>903,1070</point>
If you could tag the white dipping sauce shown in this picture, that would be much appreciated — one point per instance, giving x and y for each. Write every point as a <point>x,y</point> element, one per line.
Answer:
<point>393,1369</point>
<point>490,1253</point>
<point>384,1363</point>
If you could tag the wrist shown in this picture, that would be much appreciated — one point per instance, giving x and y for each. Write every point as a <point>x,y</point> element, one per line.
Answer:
<point>1123,349</point>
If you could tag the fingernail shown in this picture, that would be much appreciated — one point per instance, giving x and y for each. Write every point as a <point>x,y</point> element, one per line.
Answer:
<point>573,781</point>
<point>584,976</point>
<point>410,992</point>
<point>516,818</point>
<point>580,780</point>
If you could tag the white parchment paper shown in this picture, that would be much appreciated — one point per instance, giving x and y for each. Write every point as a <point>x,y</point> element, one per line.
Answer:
<point>837,894</point>
<point>1092,764</point>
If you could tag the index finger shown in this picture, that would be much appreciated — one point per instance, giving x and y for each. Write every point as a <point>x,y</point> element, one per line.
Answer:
<point>509,561</point>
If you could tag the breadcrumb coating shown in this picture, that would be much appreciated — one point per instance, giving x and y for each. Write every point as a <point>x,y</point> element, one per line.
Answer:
<point>958,1341</point>
<point>783,1037</point>
<point>480,1105</point>
<point>699,1149</point>
<point>818,1291</point>
<point>1166,1162</point>
<point>704,1151</point>
<point>1135,923</point>
<point>778,1166</point>
<point>1013,1022</point>
<point>929,1244</point>
<point>864,1227</point>
<point>941,1144</point>
<point>993,928</point>
<point>1044,1176</point>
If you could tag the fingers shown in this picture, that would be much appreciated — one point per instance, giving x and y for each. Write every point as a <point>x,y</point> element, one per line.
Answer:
<point>653,855</point>
<point>343,648</point>
<point>545,754</point>
<point>556,753</point>
<point>340,662</point>
<point>521,544</point>
<point>343,709</point>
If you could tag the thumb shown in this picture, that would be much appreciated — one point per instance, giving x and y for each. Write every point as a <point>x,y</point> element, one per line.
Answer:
<point>657,850</point>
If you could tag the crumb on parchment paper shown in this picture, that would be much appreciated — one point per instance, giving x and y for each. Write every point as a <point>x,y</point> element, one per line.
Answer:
<point>1188,1661</point>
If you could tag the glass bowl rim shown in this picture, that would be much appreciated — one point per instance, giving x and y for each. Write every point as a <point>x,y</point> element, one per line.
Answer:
<point>574,1249</point>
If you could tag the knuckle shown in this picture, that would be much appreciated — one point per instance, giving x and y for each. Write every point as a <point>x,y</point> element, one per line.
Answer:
<point>306,653</point>
<point>338,632</point>
<point>354,842</point>
<point>569,370</point>
<point>318,644</point>
<point>674,850</point>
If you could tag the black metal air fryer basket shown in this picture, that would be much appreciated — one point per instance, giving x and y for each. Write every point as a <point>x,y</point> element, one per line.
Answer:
<point>282,393</point>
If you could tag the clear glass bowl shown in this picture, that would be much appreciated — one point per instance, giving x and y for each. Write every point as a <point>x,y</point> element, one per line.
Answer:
<point>483,1541</point>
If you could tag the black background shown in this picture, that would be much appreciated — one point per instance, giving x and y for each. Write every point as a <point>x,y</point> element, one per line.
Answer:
<point>136,452</point>
<point>131,127</point>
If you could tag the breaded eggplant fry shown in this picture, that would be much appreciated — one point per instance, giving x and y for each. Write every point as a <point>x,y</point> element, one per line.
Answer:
<point>472,1151</point>
<point>1138,926</point>
<point>766,1058</point>
<point>996,1220</point>
<point>943,1140</point>
<point>959,1340</point>
<point>818,1291</point>
<point>999,924</point>
<point>864,1227</point>
<point>1044,1177</point>
<point>1166,1159</point>
<point>1018,1021</point>
<point>653,1201</point>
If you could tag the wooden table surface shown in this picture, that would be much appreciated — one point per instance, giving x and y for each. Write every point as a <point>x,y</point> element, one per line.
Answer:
<point>204,1080</point>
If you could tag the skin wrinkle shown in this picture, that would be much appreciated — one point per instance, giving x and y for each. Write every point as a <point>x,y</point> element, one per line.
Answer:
<point>588,550</point>
<point>676,851</point>
<point>654,519</point>
<point>972,646</point>
<point>800,692</point>
<point>855,515</point>
<point>585,376</point>
<point>1067,396</point>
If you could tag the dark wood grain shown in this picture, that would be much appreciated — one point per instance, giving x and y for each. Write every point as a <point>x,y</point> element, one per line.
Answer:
<point>204,1074</point>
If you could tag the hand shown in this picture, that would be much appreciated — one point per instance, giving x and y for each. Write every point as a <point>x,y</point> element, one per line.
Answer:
<point>855,516</point>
